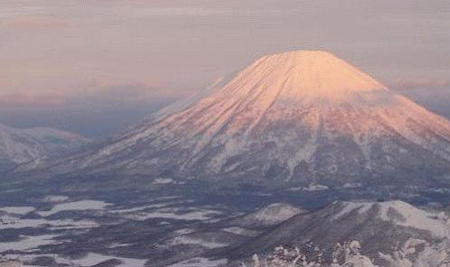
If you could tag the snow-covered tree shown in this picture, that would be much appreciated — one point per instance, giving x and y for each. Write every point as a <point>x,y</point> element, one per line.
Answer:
<point>346,254</point>
<point>419,253</point>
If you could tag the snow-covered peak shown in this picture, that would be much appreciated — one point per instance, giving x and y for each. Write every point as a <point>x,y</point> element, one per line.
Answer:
<point>299,118</point>
<point>302,75</point>
<point>293,78</point>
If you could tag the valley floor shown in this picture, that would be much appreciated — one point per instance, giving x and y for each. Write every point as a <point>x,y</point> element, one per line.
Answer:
<point>195,229</point>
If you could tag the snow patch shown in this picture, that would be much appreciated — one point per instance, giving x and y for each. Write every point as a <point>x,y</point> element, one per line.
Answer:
<point>55,199</point>
<point>272,214</point>
<point>351,185</point>
<point>94,258</point>
<point>17,210</point>
<point>200,262</point>
<point>75,206</point>
<point>316,187</point>
<point>241,231</point>
<point>176,214</point>
<point>8,222</point>
<point>162,181</point>
<point>28,242</point>
<point>187,240</point>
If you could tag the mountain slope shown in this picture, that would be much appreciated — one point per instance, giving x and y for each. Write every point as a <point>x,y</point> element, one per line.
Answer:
<point>19,146</point>
<point>374,225</point>
<point>303,117</point>
<point>267,216</point>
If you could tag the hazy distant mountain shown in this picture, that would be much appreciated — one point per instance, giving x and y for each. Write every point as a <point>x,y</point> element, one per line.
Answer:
<point>296,118</point>
<point>19,146</point>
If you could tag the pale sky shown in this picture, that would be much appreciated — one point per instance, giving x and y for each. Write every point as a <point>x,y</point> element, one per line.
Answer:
<point>95,66</point>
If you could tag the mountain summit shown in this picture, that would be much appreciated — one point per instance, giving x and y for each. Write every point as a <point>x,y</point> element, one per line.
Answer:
<point>292,78</point>
<point>301,76</point>
<point>296,118</point>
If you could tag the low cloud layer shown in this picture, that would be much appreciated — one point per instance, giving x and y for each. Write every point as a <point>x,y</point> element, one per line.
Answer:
<point>420,83</point>
<point>432,94</point>
<point>95,113</point>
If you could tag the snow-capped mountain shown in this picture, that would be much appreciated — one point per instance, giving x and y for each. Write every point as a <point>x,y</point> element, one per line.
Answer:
<point>302,117</point>
<point>393,233</point>
<point>19,146</point>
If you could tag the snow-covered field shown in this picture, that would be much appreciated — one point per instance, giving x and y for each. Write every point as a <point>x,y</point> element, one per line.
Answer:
<point>55,199</point>
<point>175,214</point>
<point>85,215</point>
<point>75,206</point>
<point>17,210</point>
<point>241,231</point>
<point>28,242</point>
<point>92,259</point>
<point>89,259</point>
<point>150,206</point>
<point>16,223</point>
<point>200,262</point>
<point>186,240</point>
<point>177,227</point>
